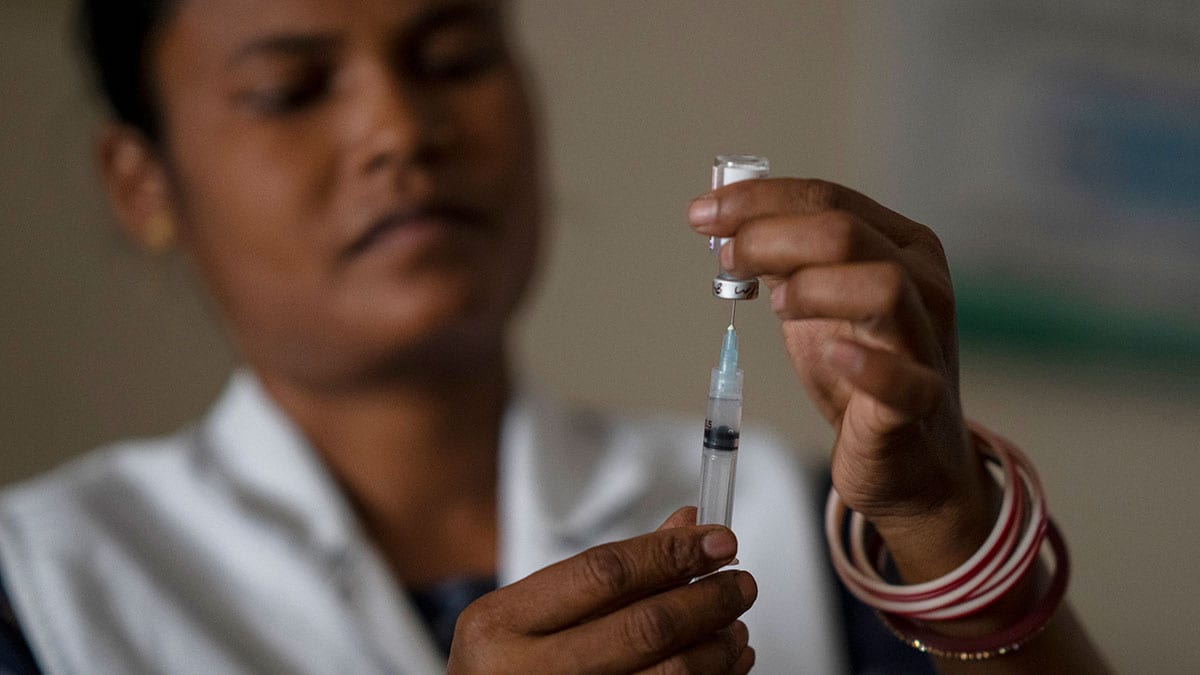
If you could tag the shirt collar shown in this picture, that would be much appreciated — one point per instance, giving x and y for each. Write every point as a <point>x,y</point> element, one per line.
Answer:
<point>565,474</point>
<point>274,466</point>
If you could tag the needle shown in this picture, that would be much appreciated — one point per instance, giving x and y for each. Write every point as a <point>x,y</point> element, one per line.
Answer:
<point>732,312</point>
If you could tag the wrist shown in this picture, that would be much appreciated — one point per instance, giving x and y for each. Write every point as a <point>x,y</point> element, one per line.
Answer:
<point>932,541</point>
<point>988,605</point>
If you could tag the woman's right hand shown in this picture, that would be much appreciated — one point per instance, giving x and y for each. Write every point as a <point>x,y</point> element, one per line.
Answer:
<point>626,606</point>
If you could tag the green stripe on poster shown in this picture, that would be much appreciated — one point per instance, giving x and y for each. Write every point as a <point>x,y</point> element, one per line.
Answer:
<point>1046,320</point>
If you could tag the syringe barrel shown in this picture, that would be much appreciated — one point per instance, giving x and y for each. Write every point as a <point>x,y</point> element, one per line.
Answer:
<point>717,472</point>
<point>729,169</point>
<point>722,432</point>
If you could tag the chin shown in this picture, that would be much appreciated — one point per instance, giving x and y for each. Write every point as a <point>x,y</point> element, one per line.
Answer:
<point>448,328</point>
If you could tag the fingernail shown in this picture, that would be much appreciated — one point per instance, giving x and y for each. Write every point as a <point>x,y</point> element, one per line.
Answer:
<point>727,255</point>
<point>719,545</point>
<point>702,211</point>
<point>778,296</point>
<point>747,586</point>
<point>846,358</point>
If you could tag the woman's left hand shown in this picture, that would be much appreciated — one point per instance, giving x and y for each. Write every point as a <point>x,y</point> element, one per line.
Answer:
<point>867,313</point>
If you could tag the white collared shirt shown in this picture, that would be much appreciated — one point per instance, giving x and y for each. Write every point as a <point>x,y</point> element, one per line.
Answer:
<point>228,548</point>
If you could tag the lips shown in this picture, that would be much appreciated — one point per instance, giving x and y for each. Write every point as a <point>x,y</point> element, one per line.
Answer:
<point>444,218</point>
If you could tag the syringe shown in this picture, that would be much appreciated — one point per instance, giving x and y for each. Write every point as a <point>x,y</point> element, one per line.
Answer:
<point>722,429</point>
<point>723,423</point>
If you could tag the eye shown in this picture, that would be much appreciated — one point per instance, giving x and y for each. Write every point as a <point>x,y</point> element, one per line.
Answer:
<point>458,51</point>
<point>291,92</point>
<point>460,65</point>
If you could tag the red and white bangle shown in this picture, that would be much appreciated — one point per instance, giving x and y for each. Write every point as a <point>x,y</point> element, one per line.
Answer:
<point>1006,556</point>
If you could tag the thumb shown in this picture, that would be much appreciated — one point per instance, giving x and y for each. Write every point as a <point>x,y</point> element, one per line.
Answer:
<point>682,517</point>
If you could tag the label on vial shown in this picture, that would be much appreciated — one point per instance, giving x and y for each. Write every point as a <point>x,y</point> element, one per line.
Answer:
<point>735,289</point>
<point>728,175</point>
<point>721,438</point>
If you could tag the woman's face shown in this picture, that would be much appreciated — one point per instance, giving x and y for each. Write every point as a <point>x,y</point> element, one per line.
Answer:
<point>356,180</point>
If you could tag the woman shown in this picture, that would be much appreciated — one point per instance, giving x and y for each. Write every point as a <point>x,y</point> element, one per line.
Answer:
<point>355,181</point>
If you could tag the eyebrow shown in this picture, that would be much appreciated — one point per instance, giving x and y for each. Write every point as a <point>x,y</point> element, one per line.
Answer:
<point>453,12</point>
<point>285,44</point>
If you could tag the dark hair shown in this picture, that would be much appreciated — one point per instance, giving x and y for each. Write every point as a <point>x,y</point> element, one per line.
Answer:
<point>116,39</point>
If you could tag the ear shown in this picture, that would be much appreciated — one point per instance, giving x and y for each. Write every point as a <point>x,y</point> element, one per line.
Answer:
<point>137,186</point>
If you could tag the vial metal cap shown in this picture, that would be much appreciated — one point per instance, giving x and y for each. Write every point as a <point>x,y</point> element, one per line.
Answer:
<point>725,286</point>
<point>728,169</point>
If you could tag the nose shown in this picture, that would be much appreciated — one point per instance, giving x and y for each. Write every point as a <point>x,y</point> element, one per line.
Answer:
<point>396,126</point>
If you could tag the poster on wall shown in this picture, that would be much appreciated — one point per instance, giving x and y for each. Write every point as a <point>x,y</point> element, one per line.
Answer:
<point>1055,147</point>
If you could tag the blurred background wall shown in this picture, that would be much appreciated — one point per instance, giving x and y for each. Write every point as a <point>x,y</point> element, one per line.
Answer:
<point>1087,358</point>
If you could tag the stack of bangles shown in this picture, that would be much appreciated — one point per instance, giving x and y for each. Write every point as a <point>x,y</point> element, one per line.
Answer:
<point>1005,558</point>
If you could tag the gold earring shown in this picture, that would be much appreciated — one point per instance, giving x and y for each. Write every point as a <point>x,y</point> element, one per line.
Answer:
<point>158,236</point>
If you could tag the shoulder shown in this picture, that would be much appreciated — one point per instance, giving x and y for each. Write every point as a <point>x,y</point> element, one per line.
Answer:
<point>65,533</point>
<point>113,477</point>
<point>128,496</point>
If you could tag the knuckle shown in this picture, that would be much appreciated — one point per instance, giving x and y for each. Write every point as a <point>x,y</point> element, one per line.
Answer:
<point>939,299</point>
<point>677,555</point>
<point>796,298</point>
<point>892,282</point>
<point>678,665</point>
<point>472,621</point>
<point>818,195</point>
<point>650,627</point>
<point>931,278</point>
<point>935,395</point>
<point>749,243</point>
<point>841,235</point>
<point>932,241</point>
<point>478,640</point>
<point>606,569</point>
<point>805,296</point>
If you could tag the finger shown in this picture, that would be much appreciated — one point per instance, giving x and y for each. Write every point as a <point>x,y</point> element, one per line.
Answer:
<point>778,245</point>
<point>682,517</point>
<point>719,654</point>
<point>878,297</point>
<point>906,388</point>
<point>744,663</point>
<point>613,575</point>
<point>663,625</point>
<point>722,211</point>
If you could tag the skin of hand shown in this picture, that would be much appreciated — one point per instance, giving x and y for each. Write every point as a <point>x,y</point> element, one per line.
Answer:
<point>621,607</point>
<point>867,310</point>
<point>867,313</point>
<point>366,224</point>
